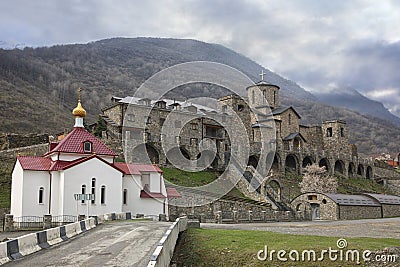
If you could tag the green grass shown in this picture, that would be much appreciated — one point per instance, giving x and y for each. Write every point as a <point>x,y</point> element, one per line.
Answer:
<point>189,179</point>
<point>357,185</point>
<point>5,183</point>
<point>217,247</point>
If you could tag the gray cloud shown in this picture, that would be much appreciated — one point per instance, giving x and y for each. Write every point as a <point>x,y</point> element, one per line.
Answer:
<point>319,44</point>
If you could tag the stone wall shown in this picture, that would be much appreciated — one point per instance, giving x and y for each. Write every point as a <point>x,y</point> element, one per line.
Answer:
<point>35,150</point>
<point>390,210</point>
<point>10,141</point>
<point>359,212</point>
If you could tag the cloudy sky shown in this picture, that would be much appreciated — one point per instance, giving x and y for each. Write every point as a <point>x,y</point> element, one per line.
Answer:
<point>320,44</point>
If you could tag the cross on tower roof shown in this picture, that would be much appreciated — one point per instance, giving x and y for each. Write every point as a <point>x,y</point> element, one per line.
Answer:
<point>79,93</point>
<point>262,75</point>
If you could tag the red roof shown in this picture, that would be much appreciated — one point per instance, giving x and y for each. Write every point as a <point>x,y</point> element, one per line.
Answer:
<point>136,169</point>
<point>172,193</point>
<point>144,194</point>
<point>46,164</point>
<point>34,163</point>
<point>73,143</point>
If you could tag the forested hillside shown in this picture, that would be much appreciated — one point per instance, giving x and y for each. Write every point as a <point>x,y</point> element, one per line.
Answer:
<point>38,86</point>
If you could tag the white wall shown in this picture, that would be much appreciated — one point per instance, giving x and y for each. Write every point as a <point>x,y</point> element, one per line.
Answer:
<point>16,190</point>
<point>33,180</point>
<point>83,173</point>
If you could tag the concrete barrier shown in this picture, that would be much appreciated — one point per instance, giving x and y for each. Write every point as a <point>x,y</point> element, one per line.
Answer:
<point>31,243</point>
<point>164,251</point>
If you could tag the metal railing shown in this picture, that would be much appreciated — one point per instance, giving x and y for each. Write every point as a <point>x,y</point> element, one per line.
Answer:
<point>63,219</point>
<point>28,222</point>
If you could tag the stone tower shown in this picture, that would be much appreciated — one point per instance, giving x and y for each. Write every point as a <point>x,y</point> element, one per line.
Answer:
<point>335,136</point>
<point>263,94</point>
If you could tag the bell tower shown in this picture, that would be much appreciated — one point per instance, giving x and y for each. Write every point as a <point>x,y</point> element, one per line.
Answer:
<point>263,94</point>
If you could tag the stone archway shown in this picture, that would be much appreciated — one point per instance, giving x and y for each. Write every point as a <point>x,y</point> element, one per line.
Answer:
<point>275,161</point>
<point>307,161</point>
<point>253,161</point>
<point>360,170</point>
<point>274,188</point>
<point>352,170</point>
<point>368,173</point>
<point>291,163</point>
<point>324,162</point>
<point>339,167</point>
<point>145,152</point>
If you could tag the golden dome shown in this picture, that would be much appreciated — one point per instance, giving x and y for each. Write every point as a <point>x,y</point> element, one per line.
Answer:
<point>79,111</point>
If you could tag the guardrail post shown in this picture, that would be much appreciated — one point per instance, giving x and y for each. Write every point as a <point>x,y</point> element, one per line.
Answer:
<point>264,215</point>
<point>235,217</point>
<point>9,223</point>
<point>219,217</point>
<point>47,219</point>
<point>250,216</point>
<point>162,217</point>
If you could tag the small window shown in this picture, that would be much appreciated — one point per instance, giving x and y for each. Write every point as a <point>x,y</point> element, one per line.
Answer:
<point>224,108</point>
<point>275,98</point>
<point>178,139</point>
<point>342,132</point>
<point>41,195</point>
<point>240,107</point>
<point>178,124</point>
<point>264,96</point>
<point>193,141</point>
<point>131,117</point>
<point>329,132</point>
<point>93,190</point>
<point>125,197</point>
<point>194,126</point>
<point>290,119</point>
<point>103,195</point>
<point>253,97</point>
<point>147,119</point>
<point>312,197</point>
<point>324,201</point>
<point>87,147</point>
<point>162,120</point>
<point>83,191</point>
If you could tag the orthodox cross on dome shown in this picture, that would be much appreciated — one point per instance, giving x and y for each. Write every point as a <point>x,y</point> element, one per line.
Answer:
<point>262,75</point>
<point>79,93</point>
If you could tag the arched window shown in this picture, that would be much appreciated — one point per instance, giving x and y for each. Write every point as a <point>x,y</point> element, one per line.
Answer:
<point>103,195</point>
<point>41,195</point>
<point>93,190</point>
<point>125,197</point>
<point>83,191</point>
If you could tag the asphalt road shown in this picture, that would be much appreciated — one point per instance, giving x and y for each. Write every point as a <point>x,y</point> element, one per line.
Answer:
<point>376,228</point>
<point>122,243</point>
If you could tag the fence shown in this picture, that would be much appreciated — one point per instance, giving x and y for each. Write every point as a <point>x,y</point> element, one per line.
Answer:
<point>28,222</point>
<point>36,222</point>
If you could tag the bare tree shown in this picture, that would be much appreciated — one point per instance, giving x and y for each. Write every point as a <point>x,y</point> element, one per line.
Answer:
<point>316,179</point>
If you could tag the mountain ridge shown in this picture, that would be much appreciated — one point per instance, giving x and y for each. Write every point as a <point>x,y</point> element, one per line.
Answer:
<point>38,85</point>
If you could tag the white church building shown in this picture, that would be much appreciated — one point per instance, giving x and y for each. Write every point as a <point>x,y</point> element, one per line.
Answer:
<point>81,164</point>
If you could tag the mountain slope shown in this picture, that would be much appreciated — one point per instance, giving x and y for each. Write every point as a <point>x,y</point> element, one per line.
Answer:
<point>38,86</point>
<point>352,99</point>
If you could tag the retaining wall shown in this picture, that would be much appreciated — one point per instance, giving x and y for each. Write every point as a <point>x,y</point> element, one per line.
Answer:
<point>164,251</point>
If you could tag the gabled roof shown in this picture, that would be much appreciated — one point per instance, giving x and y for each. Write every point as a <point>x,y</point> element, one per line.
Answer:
<point>34,163</point>
<point>172,193</point>
<point>280,110</point>
<point>137,169</point>
<point>293,136</point>
<point>73,143</point>
<point>145,194</point>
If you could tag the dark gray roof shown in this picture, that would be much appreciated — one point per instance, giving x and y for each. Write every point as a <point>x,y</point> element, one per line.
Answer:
<point>280,110</point>
<point>293,136</point>
<point>385,199</point>
<point>353,200</point>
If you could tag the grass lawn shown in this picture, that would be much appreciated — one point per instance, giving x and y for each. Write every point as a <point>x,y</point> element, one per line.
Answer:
<point>189,179</point>
<point>217,247</point>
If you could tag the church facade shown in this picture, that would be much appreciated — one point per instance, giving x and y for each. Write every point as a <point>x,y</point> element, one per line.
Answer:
<point>80,175</point>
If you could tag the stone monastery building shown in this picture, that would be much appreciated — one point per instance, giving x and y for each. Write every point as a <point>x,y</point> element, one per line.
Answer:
<point>82,164</point>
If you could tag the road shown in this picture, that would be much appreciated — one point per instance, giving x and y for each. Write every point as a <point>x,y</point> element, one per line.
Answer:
<point>122,243</point>
<point>376,228</point>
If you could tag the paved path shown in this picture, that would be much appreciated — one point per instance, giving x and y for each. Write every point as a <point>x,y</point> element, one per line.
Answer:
<point>123,243</point>
<point>385,228</point>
